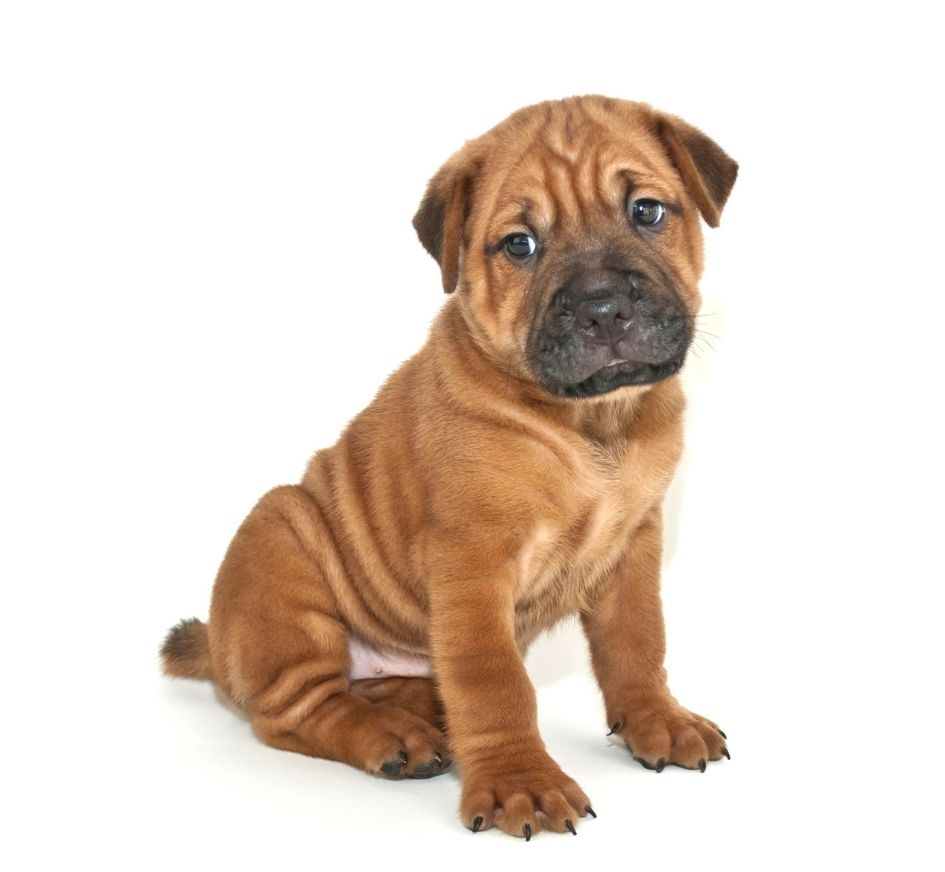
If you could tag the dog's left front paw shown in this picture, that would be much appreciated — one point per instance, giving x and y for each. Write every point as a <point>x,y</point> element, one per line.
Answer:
<point>663,733</point>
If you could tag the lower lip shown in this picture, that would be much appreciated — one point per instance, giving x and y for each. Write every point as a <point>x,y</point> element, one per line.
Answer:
<point>625,364</point>
<point>619,365</point>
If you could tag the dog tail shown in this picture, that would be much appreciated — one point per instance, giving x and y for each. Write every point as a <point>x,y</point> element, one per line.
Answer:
<point>186,650</point>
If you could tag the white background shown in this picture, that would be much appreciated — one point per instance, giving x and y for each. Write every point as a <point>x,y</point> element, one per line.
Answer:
<point>195,197</point>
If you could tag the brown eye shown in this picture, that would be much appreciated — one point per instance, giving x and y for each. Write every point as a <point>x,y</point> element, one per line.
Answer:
<point>520,245</point>
<point>647,213</point>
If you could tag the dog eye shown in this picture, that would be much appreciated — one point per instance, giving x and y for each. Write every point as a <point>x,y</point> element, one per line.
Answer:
<point>648,213</point>
<point>520,245</point>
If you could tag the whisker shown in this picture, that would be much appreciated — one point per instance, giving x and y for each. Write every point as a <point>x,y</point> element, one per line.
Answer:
<point>707,346</point>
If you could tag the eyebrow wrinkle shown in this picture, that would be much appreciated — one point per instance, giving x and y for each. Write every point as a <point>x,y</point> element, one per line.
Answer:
<point>559,195</point>
<point>589,191</point>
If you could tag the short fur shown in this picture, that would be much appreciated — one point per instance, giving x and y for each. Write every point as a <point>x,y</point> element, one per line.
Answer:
<point>468,508</point>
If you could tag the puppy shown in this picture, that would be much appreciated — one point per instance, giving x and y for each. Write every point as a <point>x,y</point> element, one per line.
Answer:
<point>508,475</point>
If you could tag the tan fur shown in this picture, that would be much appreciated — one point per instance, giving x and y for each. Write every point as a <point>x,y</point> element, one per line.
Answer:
<point>186,650</point>
<point>467,510</point>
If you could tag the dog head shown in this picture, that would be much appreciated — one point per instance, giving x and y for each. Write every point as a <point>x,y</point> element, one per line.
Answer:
<point>571,233</point>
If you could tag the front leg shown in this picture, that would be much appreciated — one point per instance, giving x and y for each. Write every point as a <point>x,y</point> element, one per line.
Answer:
<point>509,780</point>
<point>628,645</point>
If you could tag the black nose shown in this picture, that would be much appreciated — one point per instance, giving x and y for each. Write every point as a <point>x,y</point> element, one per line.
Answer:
<point>605,319</point>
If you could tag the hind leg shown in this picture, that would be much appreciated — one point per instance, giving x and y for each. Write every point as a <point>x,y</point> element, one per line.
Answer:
<point>279,650</point>
<point>416,695</point>
<point>380,739</point>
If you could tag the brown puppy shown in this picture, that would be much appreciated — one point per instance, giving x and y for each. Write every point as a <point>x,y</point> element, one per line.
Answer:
<point>509,474</point>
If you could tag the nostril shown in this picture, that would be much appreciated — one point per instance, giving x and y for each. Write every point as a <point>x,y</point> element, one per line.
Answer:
<point>603,318</point>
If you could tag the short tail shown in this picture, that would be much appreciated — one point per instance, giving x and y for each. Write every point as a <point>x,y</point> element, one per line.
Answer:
<point>186,650</point>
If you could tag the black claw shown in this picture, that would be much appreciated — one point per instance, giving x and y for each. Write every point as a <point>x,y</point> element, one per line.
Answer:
<point>702,765</point>
<point>477,823</point>
<point>722,735</point>
<point>391,767</point>
<point>570,826</point>
<point>590,811</point>
<point>647,765</point>
<point>527,832</point>
<point>726,754</point>
<point>403,758</point>
<point>614,728</point>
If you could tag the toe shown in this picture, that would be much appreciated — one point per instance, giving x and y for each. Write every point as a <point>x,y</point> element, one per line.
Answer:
<point>394,767</point>
<point>477,809</point>
<point>518,817</point>
<point>689,749</point>
<point>559,814</point>
<point>651,746</point>
<point>712,738</point>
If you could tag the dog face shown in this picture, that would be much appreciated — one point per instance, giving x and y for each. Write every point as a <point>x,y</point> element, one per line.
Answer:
<point>571,231</point>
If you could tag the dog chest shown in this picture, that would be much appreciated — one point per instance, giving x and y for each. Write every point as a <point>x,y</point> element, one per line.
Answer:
<point>564,557</point>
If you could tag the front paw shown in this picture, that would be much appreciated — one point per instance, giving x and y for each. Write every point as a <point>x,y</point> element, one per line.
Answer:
<point>522,797</point>
<point>663,732</point>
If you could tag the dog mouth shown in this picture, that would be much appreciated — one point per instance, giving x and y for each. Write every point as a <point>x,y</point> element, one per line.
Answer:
<point>619,374</point>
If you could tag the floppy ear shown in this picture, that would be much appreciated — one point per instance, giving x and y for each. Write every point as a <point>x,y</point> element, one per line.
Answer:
<point>439,220</point>
<point>707,171</point>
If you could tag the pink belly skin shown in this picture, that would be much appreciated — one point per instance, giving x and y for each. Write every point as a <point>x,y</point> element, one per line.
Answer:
<point>370,662</point>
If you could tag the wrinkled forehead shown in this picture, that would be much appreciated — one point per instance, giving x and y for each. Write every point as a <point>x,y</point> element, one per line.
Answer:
<point>572,172</point>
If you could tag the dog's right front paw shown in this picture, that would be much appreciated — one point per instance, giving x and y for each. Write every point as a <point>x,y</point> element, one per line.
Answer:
<point>522,800</point>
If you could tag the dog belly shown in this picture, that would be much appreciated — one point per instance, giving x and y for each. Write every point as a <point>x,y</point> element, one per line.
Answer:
<point>368,661</point>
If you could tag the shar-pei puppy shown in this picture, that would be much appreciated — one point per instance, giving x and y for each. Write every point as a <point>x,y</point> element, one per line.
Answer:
<point>508,475</point>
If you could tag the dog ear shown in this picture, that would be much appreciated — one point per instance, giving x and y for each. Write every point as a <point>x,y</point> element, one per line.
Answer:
<point>707,171</point>
<point>439,220</point>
